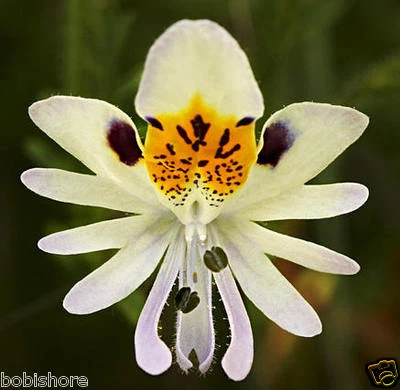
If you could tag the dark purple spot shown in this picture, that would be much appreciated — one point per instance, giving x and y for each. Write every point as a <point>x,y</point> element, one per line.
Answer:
<point>278,139</point>
<point>121,138</point>
<point>155,122</point>
<point>245,121</point>
<point>202,163</point>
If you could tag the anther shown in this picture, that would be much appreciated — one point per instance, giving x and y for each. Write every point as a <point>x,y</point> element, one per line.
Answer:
<point>215,259</point>
<point>185,300</point>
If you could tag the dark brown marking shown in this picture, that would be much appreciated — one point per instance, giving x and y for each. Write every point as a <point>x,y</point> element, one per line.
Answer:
<point>121,138</point>
<point>182,132</point>
<point>220,154</point>
<point>245,121</point>
<point>170,149</point>
<point>278,139</point>
<point>225,138</point>
<point>155,122</point>
<point>184,161</point>
<point>200,127</point>
<point>202,163</point>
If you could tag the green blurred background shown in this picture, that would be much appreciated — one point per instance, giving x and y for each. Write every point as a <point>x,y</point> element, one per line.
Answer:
<point>339,51</point>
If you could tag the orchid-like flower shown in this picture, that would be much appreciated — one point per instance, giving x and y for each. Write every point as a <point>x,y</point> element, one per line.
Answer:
<point>194,189</point>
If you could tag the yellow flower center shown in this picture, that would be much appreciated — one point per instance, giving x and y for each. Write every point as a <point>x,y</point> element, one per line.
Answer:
<point>197,154</point>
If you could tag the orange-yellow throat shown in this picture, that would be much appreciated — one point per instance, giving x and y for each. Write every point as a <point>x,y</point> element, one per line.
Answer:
<point>198,154</point>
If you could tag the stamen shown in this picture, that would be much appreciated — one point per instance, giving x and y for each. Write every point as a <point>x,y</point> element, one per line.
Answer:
<point>186,301</point>
<point>215,259</point>
<point>182,297</point>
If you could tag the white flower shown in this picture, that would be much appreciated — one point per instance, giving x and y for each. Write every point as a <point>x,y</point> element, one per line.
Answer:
<point>196,186</point>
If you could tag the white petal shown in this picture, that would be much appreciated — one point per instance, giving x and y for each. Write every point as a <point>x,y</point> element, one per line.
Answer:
<point>238,358</point>
<point>198,57</point>
<point>152,355</point>
<point>314,135</point>
<point>115,233</point>
<point>309,202</point>
<point>298,251</point>
<point>265,286</point>
<point>82,189</point>
<point>195,330</point>
<point>122,274</point>
<point>83,127</point>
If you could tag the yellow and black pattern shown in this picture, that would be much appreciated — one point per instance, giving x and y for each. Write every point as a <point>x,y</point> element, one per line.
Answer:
<point>199,150</point>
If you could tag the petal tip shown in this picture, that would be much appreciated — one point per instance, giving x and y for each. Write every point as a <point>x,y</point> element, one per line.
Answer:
<point>236,374</point>
<point>48,245</point>
<point>26,177</point>
<point>313,331</point>
<point>73,304</point>
<point>352,269</point>
<point>364,193</point>
<point>154,363</point>
<point>69,305</point>
<point>42,245</point>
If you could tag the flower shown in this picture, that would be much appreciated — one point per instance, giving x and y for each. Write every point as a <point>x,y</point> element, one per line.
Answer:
<point>195,188</point>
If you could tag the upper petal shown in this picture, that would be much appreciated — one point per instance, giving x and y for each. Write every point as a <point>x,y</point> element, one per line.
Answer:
<point>198,57</point>
<point>97,133</point>
<point>297,143</point>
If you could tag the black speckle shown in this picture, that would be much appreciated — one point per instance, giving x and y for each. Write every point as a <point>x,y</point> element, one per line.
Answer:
<point>200,127</point>
<point>155,122</point>
<point>202,163</point>
<point>278,139</point>
<point>225,138</point>
<point>182,132</point>
<point>221,154</point>
<point>121,138</point>
<point>245,121</point>
<point>170,148</point>
<point>184,161</point>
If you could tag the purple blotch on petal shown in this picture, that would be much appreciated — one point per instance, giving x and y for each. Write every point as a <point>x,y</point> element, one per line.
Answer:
<point>121,138</point>
<point>155,122</point>
<point>278,139</point>
<point>245,121</point>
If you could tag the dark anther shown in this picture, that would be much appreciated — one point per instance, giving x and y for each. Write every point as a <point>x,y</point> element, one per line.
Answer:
<point>215,259</point>
<point>185,300</point>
